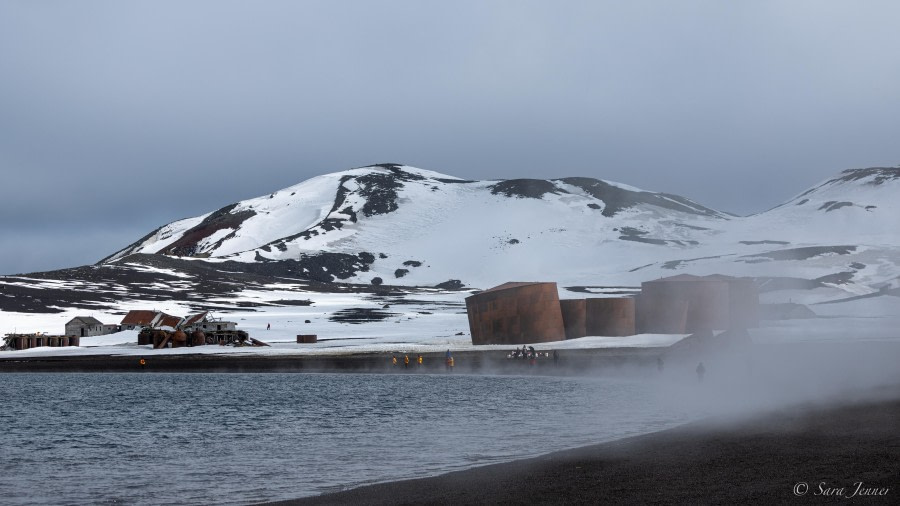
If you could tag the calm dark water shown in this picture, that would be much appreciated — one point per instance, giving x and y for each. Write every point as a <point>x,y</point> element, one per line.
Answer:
<point>244,438</point>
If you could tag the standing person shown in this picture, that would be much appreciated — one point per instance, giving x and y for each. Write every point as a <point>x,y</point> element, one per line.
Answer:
<point>393,360</point>
<point>700,371</point>
<point>406,361</point>
<point>450,363</point>
<point>419,360</point>
<point>268,326</point>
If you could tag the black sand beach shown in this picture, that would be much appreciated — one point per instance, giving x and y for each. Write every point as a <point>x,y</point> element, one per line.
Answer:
<point>800,455</point>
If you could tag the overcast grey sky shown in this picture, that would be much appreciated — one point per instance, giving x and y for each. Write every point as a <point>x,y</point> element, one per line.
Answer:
<point>119,116</point>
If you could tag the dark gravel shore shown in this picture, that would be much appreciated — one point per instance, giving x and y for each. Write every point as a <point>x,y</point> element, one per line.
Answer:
<point>466,362</point>
<point>802,455</point>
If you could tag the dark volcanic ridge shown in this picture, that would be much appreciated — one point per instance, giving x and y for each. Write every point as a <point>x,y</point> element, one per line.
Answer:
<point>203,285</point>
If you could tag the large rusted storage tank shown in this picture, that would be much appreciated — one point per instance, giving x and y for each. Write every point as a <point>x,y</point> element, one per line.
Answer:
<point>516,313</point>
<point>198,338</point>
<point>686,304</point>
<point>573,317</point>
<point>609,316</point>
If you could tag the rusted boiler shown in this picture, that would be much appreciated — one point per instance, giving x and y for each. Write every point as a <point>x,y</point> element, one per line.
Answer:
<point>609,316</point>
<point>516,313</point>
<point>179,339</point>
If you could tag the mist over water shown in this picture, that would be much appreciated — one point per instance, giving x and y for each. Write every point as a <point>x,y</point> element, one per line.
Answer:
<point>241,438</point>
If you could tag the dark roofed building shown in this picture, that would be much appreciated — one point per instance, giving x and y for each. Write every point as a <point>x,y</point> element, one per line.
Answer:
<point>143,318</point>
<point>190,320</point>
<point>137,318</point>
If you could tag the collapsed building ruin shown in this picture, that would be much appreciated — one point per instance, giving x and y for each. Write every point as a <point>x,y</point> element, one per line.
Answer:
<point>520,313</point>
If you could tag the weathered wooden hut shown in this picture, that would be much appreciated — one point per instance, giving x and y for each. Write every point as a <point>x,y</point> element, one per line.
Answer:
<point>84,326</point>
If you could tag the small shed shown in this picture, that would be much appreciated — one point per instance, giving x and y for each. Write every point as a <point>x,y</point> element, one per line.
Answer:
<point>84,326</point>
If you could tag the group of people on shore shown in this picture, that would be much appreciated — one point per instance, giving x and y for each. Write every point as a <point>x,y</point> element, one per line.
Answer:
<point>529,353</point>
<point>420,360</point>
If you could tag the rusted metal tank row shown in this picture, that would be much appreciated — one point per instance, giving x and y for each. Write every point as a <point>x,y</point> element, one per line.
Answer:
<point>520,313</point>
<point>28,341</point>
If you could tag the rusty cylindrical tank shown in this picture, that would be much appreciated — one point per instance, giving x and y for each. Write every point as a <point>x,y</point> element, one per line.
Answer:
<point>516,313</point>
<point>145,336</point>
<point>179,339</point>
<point>573,317</point>
<point>198,338</point>
<point>609,316</point>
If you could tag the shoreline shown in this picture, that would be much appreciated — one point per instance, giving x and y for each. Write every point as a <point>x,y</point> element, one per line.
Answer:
<point>578,361</point>
<point>810,452</point>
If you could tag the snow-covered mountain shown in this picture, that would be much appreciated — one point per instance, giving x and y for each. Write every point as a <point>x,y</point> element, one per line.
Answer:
<point>415,227</point>
<point>410,226</point>
<point>388,230</point>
